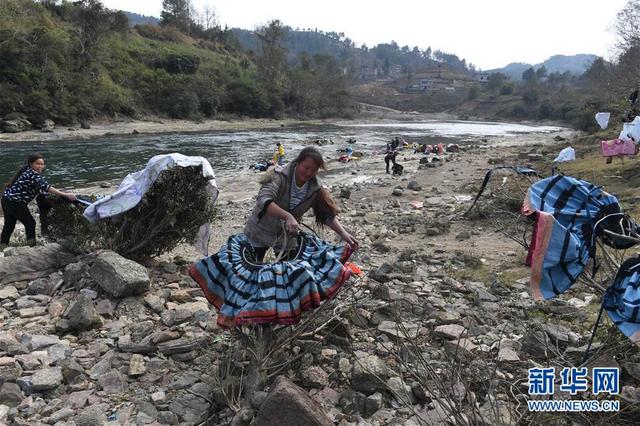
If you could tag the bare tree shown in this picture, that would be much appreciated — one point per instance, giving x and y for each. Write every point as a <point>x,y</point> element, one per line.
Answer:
<point>627,26</point>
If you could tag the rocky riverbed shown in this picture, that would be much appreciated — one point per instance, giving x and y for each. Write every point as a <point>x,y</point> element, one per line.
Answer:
<point>440,329</point>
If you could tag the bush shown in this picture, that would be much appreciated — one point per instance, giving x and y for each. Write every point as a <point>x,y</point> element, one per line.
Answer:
<point>170,213</point>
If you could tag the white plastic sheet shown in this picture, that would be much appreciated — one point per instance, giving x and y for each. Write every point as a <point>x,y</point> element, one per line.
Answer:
<point>603,119</point>
<point>135,185</point>
<point>631,131</point>
<point>567,154</point>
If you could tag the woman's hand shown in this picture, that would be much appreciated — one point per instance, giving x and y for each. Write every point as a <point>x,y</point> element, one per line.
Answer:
<point>69,196</point>
<point>353,243</point>
<point>291,224</point>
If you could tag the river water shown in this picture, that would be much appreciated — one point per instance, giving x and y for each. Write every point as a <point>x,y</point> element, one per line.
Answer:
<point>86,162</point>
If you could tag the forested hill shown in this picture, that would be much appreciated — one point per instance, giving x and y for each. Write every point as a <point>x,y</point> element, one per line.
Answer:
<point>74,61</point>
<point>380,59</point>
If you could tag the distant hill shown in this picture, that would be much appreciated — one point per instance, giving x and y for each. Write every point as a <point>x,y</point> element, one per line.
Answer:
<point>575,64</point>
<point>137,19</point>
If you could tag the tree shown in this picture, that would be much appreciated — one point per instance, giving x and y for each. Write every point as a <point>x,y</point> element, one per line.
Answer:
<point>495,81</point>
<point>627,26</point>
<point>529,74</point>
<point>541,73</point>
<point>176,13</point>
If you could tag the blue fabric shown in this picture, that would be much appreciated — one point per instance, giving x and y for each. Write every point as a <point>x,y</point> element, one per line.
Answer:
<point>576,206</point>
<point>28,185</point>
<point>622,299</point>
<point>244,291</point>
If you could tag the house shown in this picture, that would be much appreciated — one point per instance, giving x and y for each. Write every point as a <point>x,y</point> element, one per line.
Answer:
<point>481,77</point>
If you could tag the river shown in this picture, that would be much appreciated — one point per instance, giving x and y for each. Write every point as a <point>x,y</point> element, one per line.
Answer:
<point>82,163</point>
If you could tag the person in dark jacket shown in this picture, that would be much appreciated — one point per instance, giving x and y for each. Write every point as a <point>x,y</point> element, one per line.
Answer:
<point>19,191</point>
<point>390,157</point>
<point>285,195</point>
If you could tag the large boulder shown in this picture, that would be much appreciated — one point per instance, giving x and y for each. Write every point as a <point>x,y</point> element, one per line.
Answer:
<point>288,404</point>
<point>118,276</point>
<point>15,126</point>
<point>29,263</point>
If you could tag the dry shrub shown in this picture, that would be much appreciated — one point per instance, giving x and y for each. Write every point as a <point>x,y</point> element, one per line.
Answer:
<point>170,213</point>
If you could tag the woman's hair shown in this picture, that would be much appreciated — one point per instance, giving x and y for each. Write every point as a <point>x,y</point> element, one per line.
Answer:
<point>312,153</point>
<point>30,160</point>
<point>324,207</point>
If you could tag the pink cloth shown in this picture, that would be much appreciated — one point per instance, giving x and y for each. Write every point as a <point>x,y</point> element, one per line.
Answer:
<point>617,147</point>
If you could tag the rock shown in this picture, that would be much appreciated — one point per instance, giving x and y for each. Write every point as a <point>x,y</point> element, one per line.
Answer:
<point>29,263</point>
<point>82,314</point>
<point>450,331</point>
<point>71,371</point>
<point>401,390</point>
<point>167,418</point>
<point>47,126</point>
<point>315,377</point>
<point>287,404</point>
<point>9,293</point>
<point>112,382</point>
<point>345,193</point>
<point>15,126</point>
<point>381,274</point>
<point>41,286</point>
<point>405,330</point>
<point>414,186</point>
<point>36,342</point>
<point>74,272</point>
<point>92,416</point>
<point>154,303</point>
<point>397,192</point>
<point>118,276</point>
<point>190,408</point>
<point>11,395</point>
<point>368,375</point>
<point>47,379</point>
<point>464,235</point>
<point>372,404</point>
<point>136,365</point>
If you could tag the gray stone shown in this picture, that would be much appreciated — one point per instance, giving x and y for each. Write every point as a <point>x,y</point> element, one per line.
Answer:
<point>15,125</point>
<point>71,371</point>
<point>315,377</point>
<point>47,126</point>
<point>41,286</point>
<point>414,186</point>
<point>154,303</point>
<point>36,342</point>
<point>29,263</point>
<point>118,276</point>
<point>190,408</point>
<point>167,418</point>
<point>404,330</point>
<point>82,314</point>
<point>74,272</point>
<point>47,379</point>
<point>60,415</point>
<point>367,374</point>
<point>9,293</point>
<point>287,404</point>
<point>450,331</point>
<point>11,394</point>
<point>92,416</point>
<point>58,352</point>
<point>113,382</point>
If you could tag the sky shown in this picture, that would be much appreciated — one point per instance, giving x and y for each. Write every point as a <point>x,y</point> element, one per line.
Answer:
<point>489,33</point>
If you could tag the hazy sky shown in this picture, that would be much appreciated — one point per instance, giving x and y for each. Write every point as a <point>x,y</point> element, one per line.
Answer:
<point>489,33</point>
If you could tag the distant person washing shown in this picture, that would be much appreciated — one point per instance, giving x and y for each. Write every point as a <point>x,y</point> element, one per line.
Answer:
<point>278,156</point>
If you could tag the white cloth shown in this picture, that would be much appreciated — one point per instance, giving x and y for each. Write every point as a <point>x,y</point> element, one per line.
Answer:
<point>135,185</point>
<point>631,131</point>
<point>567,154</point>
<point>603,119</point>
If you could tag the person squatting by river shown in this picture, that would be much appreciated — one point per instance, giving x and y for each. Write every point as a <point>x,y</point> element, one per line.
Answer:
<point>20,190</point>
<point>278,156</point>
<point>285,195</point>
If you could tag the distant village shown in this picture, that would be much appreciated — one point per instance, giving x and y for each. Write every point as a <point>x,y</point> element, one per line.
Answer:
<point>432,80</point>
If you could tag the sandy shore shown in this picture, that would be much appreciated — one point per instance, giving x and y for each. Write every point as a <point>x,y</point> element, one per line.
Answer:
<point>150,126</point>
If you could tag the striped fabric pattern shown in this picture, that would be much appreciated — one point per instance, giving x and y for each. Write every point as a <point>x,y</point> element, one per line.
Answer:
<point>566,210</point>
<point>245,292</point>
<point>622,299</point>
<point>28,185</point>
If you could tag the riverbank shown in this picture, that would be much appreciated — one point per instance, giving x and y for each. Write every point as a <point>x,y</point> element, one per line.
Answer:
<point>440,290</point>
